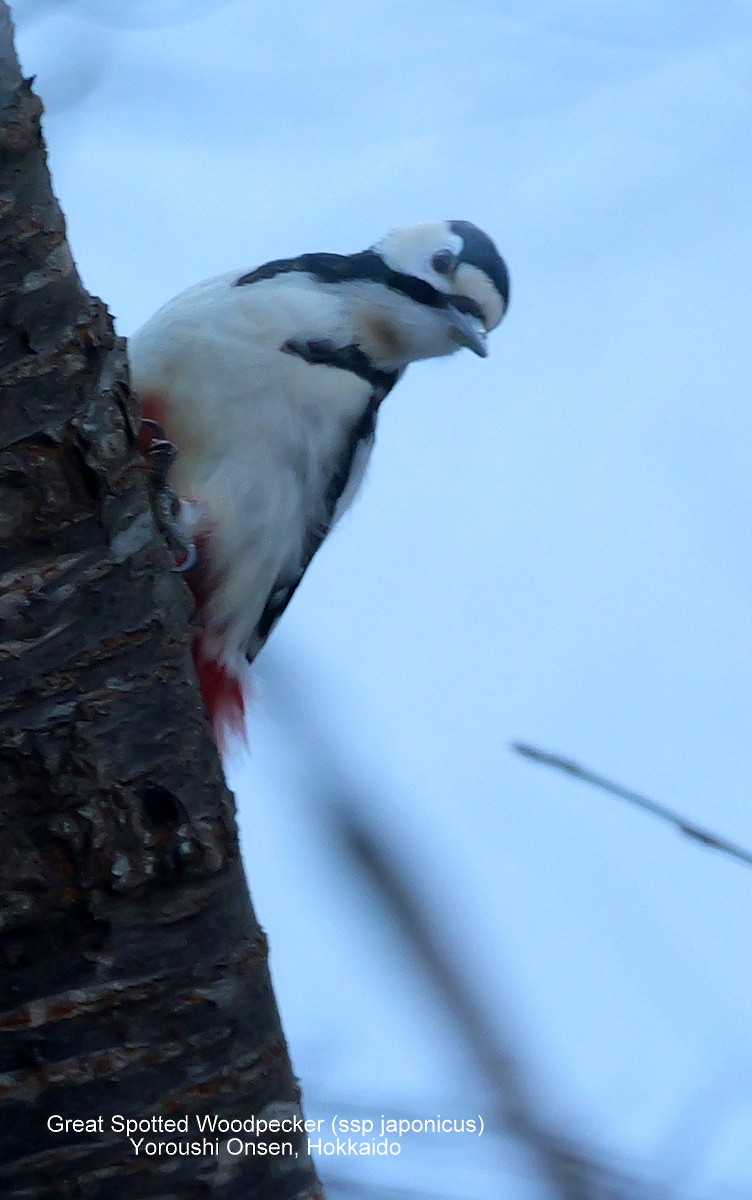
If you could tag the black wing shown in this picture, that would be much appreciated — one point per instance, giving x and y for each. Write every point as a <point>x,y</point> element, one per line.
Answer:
<point>360,438</point>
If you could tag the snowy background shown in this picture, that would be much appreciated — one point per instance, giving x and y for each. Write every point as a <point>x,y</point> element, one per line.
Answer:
<point>553,544</point>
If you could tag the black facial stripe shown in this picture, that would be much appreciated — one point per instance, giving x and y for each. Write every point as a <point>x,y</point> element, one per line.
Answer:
<point>480,251</point>
<point>346,268</point>
<point>466,305</point>
<point>345,358</point>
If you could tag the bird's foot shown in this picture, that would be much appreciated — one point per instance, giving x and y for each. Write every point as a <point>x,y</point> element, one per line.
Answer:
<point>159,453</point>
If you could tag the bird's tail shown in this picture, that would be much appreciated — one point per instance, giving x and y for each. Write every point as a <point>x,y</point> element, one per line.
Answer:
<point>222,691</point>
<point>221,676</point>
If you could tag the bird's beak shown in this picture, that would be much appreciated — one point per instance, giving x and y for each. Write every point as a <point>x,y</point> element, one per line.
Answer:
<point>468,331</point>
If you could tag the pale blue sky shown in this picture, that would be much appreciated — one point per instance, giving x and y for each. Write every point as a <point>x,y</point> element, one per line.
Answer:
<point>552,545</point>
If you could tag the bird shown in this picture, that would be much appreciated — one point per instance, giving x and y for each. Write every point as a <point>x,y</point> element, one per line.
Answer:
<point>268,383</point>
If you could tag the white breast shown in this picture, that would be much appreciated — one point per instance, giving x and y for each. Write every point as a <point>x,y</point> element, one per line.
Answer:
<point>258,431</point>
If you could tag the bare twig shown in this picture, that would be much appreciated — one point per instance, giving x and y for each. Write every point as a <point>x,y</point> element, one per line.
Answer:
<point>705,837</point>
<point>570,1170</point>
<point>569,1173</point>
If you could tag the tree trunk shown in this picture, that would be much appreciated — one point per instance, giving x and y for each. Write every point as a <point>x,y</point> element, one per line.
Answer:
<point>133,972</point>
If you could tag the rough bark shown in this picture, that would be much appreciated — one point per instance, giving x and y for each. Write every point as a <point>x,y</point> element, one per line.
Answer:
<point>133,972</point>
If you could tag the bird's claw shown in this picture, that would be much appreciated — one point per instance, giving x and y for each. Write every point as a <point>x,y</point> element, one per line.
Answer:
<point>190,560</point>
<point>159,454</point>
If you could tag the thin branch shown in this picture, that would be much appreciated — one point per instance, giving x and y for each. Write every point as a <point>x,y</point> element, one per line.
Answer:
<point>570,1172</point>
<point>705,837</point>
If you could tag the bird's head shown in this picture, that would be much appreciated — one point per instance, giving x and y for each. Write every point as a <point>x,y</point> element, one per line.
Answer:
<point>461,263</point>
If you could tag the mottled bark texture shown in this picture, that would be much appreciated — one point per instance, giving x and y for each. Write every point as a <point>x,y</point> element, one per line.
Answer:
<point>133,972</point>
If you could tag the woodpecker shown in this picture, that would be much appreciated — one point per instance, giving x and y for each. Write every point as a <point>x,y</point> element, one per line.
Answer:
<point>269,383</point>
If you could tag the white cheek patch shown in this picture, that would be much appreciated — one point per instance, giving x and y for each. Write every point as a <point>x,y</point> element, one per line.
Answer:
<point>472,282</point>
<point>410,250</point>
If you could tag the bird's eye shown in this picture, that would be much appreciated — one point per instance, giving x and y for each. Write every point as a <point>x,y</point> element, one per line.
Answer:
<point>442,262</point>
